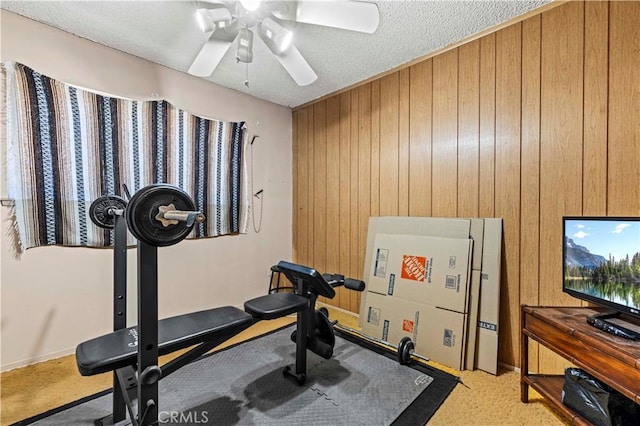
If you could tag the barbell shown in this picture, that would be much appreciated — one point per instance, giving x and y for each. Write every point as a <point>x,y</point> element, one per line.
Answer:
<point>103,210</point>
<point>161,215</point>
<point>405,352</point>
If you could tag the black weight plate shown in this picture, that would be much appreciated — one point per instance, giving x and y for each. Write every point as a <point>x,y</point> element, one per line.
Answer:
<point>143,208</point>
<point>324,329</point>
<point>405,348</point>
<point>99,210</point>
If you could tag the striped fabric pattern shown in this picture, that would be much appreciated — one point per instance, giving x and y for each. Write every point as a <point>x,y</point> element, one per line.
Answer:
<point>69,146</point>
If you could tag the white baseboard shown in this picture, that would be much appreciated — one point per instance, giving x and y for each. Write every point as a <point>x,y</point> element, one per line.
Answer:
<point>37,359</point>
<point>509,367</point>
<point>344,311</point>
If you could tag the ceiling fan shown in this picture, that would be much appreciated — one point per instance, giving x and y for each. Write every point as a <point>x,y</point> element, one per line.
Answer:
<point>227,21</point>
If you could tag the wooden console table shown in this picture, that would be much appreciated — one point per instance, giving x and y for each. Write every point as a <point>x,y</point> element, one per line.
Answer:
<point>610,359</point>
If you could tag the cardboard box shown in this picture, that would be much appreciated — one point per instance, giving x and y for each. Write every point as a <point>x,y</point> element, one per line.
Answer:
<point>472,329</point>
<point>443,332</point>
<point>429,270</point>
<point>390,319</point>
<point>487,351</point>
<point>486,258</point>
<point>476,233</point>
<point>425,226</point>
<point>430,227</point>
<point>489,311</point>
<point>437,334</point>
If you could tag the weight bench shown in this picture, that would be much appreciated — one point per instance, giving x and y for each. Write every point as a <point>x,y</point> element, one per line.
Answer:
<point>118,351</point>
<point>207,328</point>
<point>160,215</point>
<point>308,284</point>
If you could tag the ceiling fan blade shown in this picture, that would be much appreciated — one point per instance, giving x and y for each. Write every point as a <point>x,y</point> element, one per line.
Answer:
<point>297,67</point>
<point>211,54</point>
<point>295,64</point>
<point>226,3</point>
<point>345,14</point>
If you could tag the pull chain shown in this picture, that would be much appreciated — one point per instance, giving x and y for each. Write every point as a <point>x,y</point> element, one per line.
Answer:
<point>246,73</point>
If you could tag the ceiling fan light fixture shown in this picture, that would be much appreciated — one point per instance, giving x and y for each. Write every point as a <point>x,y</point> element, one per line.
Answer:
<point>275,36</point>
<point>210,19</point>
<point>250,5</point>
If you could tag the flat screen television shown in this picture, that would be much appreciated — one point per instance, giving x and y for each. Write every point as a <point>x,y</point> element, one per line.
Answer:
<point>601,259</point>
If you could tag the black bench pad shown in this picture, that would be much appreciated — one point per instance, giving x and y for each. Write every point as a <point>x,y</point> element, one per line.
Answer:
<point>119,349</point>
<point>275,305</point>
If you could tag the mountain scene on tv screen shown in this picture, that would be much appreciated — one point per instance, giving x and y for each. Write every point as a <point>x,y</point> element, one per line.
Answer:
<point>609,278</point>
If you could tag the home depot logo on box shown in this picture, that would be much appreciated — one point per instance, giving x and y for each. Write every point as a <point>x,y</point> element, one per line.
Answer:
<point>414,267</point>
<point>407,325</point>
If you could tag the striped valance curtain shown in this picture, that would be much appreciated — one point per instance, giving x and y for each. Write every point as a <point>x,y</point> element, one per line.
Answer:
<point>68,146</point>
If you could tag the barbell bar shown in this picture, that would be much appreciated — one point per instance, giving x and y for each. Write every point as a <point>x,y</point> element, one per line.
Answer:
<point>168,215</point>
<point>404,351</point>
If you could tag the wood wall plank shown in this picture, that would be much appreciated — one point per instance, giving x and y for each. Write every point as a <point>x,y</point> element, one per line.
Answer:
<point>310,164</point>
<point>596,90</point>
<point>333,187</point>
<point>389,108</point>
<point>507,178</point>
<point>557,99</point>
<point>420,139</point>
<point>342,299</point>
<point>375,148</point>
<point>468,129</point>
<point>560,146</point>
<point>530,171</point>
<point>624,109</point>
<point>364,183</point>
<point>320,186</point>
<point>486,185</point>
<point>297,181</point>
<point>403,142</point>
<point>560,139</point>
<point>354,269</point>
<point>444,143</point>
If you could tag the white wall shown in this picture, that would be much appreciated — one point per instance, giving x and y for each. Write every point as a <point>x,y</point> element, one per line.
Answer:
<point>53,298</point>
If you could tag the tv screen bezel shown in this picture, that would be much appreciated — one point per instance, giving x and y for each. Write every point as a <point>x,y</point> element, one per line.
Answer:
<point>582,296</point>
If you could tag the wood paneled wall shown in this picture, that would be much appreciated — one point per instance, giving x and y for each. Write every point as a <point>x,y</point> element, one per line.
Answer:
<point>535,121</point>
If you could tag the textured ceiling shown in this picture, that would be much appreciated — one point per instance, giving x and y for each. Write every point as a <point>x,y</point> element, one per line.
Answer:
<point>166,32</point>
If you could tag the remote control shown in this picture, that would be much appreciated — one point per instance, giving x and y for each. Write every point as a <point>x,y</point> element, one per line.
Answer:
<point>598,323</point>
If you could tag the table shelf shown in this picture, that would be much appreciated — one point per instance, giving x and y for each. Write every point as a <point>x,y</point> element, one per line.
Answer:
<point>564,330</point>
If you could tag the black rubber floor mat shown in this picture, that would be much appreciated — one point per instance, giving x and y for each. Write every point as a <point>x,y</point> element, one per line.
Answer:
<point>244,385</point>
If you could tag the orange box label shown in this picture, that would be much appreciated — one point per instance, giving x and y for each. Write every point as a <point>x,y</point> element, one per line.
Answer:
<point>414,268</point>
<point>407,325</point>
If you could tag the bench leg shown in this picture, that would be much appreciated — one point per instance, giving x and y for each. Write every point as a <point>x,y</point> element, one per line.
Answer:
<point>147,333</point>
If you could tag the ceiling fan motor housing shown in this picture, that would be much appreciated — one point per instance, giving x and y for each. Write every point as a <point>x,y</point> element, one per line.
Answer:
<point>245,46</point>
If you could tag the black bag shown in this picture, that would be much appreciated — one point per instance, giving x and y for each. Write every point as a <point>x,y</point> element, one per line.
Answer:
<point>596,401</point>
